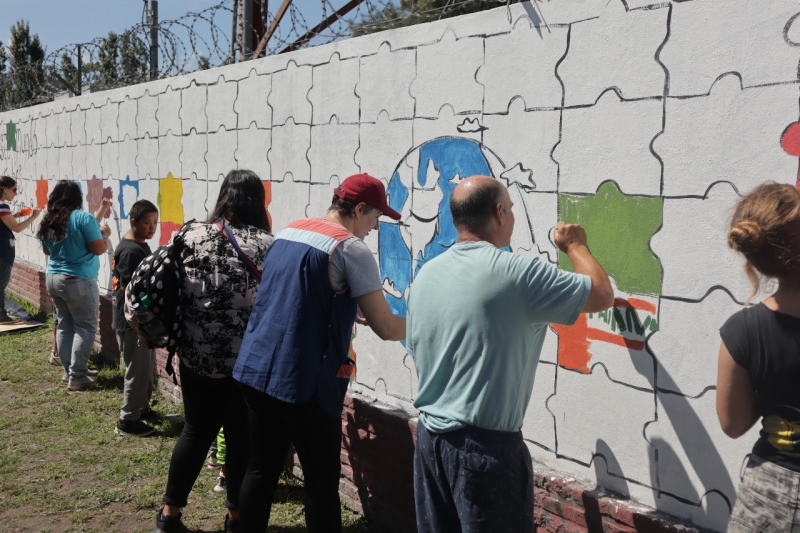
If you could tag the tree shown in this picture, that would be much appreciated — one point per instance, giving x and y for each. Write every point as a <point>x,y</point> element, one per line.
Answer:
<point>134,58</point>
<point>4,78</point>
<point>26,60</point>
<point>120,60</point>
<point>203,63</point>
<point>69,71</point>
<point>107,55</point>
<point>3,58</point>
<point>411,12</point>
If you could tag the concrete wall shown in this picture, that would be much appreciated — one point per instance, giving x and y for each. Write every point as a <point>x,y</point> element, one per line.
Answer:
<point>642,120</point>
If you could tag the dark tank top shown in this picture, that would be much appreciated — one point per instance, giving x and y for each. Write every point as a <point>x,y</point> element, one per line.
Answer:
<point>767,344</point>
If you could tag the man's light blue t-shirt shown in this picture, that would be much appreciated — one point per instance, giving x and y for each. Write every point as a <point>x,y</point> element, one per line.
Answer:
<point>477,317</point>
<point>71,256</point>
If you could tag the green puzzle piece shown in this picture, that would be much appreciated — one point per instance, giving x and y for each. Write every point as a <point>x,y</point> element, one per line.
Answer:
<point>11,136</point>
<point>619,228</point>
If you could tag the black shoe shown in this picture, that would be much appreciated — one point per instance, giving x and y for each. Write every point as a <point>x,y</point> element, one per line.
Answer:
<point>148,414</point>
<point>6,320</point>
<point>169,524</point>
<point>133,427</point>
<point>231,525</point>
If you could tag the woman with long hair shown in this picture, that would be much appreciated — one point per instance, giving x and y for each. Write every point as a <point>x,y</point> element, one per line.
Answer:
<point>759,360</point>
<point>73,239</point>
<point>219,290</point>
<point>8,191</point>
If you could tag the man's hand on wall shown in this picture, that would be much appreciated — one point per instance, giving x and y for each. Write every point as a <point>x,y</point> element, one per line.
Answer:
<point>568,235</point>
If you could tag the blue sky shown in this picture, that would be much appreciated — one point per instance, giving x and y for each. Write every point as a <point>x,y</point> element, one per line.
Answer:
<point>62,22</point>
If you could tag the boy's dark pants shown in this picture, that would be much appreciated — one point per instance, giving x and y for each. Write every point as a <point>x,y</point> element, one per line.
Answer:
<point>140,364</point>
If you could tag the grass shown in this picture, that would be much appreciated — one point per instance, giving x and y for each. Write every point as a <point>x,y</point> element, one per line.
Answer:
<point>62,468</point>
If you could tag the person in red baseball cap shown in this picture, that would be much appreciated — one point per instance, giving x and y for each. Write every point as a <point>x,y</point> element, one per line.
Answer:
<point>294,364</point>
<point>364,188</point>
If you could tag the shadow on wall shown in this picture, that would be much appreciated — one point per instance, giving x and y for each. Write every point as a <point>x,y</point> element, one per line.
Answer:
<point>675,474</point>
<point>378,455</point>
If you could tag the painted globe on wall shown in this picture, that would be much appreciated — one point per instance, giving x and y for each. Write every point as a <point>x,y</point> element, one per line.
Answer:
<point>420,190</point>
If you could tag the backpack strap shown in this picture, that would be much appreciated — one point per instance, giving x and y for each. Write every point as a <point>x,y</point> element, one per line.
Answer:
<point>178,240</point>
<point>251,268</point>
<point>171,369</point>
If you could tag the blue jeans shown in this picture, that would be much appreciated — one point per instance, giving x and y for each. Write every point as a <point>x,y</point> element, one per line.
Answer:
<point>77,302</point>
<point>473,480</point>
<point>5,277</point>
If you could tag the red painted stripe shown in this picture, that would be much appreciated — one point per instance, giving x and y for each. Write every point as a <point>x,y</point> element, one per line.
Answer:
<point>167,230</point>
<point>323,226</point>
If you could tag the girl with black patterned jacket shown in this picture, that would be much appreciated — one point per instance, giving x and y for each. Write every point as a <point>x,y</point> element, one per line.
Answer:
<point>218,295</point>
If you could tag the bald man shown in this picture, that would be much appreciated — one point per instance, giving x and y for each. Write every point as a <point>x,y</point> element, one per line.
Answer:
<point>477,317</point>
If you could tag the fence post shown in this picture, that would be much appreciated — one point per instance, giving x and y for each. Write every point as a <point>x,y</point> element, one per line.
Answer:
<point>79,81</point>
<point>153,20</point>
<point>234,31</point>
<point>247,24</point>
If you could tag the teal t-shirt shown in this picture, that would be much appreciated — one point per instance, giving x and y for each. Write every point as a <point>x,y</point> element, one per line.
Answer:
<point>71,256</point>
<point>477,317</point>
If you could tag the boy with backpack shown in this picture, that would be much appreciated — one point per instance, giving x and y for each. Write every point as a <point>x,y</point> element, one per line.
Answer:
<point>139,360</point>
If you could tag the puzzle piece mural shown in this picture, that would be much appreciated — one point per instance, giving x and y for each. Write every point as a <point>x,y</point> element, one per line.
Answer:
<point>11,136</point>
<point>623,116</point>
<point>170,194</point>
<point>128,194</point>
<point>619,227</point>
<point>420,191</point>
<point>95,192</point>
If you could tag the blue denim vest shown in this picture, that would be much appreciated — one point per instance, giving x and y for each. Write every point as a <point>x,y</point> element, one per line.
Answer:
<point>297,340</point>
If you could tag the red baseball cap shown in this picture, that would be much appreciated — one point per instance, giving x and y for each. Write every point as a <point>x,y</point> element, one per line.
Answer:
<point>365,188</point>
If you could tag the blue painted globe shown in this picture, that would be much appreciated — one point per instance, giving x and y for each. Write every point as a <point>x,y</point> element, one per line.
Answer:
<point>432,170</point>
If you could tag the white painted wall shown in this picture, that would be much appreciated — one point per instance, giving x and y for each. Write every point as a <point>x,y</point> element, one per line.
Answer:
<point>683,101</point>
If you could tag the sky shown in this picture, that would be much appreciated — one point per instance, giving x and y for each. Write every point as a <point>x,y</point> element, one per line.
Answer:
<point>62,22</point>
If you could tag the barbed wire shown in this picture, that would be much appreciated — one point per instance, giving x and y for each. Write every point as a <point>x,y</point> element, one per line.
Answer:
<point>200,40</point>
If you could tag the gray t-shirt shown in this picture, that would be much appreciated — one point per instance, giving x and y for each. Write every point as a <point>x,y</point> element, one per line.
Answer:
<point>353,266</point>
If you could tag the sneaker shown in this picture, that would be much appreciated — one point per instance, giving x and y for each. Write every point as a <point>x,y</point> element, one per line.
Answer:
<point>168,524</point>
<point>83,382</point>
<point>137,428</point>
<point>6,320</point>
<point>91,373</point>
<point>221,486</point>
<point>54,359</point>
<point>231,525</point>
<point>213,462</point>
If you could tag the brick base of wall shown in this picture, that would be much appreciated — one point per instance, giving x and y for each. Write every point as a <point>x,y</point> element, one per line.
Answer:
<point>377,480</point>
<point>378,449</point>
<point>29,283</point>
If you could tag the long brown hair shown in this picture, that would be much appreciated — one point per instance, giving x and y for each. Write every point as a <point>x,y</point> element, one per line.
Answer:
<point>765,228</point>
<point>65,198</point>
<point>241,200</point>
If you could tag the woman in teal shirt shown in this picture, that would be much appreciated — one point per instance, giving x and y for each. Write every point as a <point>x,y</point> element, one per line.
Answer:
<point>73,239</point>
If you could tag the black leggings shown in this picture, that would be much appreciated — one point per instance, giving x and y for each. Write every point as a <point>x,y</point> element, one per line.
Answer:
<point>274,425</point>
<point>208,403</point>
